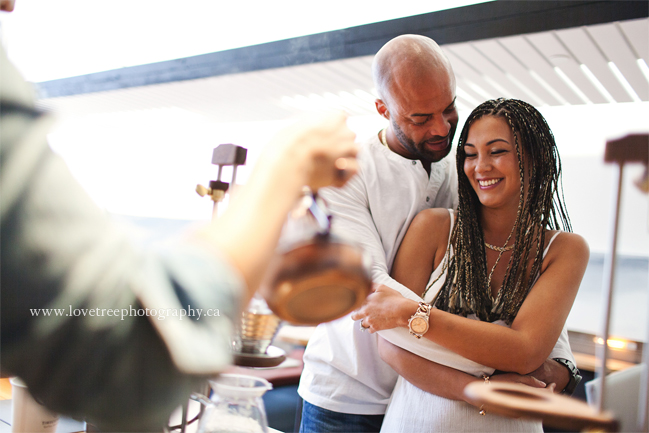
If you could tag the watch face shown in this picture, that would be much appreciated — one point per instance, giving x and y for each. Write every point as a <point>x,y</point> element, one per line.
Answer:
<point>419,325</point>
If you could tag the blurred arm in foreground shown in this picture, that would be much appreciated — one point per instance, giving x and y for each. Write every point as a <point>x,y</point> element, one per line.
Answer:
<point>115,347</point>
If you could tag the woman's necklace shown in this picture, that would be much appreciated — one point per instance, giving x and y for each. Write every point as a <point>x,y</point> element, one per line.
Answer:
<point>499,249</point>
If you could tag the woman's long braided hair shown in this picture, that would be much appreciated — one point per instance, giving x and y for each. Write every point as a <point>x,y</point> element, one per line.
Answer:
<point>466,289</point>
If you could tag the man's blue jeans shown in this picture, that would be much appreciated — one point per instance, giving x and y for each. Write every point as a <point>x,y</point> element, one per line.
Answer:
<point>318,420</point>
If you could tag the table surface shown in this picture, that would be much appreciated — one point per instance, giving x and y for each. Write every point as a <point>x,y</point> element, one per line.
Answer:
<point>65,425</point>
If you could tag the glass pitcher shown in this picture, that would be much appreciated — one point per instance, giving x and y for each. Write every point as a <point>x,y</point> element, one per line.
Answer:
<point>236,405</point>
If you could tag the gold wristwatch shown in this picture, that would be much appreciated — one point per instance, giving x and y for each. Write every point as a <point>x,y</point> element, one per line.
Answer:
<point>418,323</point>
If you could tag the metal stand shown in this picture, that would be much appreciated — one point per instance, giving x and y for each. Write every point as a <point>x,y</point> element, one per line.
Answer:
<point>632,148</point>
<point>222,155</point>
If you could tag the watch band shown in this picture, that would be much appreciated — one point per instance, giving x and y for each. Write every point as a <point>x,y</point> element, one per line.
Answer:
<point>419,322</point>
<point>575,376</point>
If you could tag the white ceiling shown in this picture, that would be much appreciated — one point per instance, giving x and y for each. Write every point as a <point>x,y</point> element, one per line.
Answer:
<point>565,67</point>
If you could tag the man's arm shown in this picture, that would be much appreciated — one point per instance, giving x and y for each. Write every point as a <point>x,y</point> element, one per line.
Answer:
<point>353,218</point>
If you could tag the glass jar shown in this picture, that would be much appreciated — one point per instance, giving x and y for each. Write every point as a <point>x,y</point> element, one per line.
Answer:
<point>236,405</point>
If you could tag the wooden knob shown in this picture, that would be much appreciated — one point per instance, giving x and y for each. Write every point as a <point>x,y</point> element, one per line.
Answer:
<point>203,191</point>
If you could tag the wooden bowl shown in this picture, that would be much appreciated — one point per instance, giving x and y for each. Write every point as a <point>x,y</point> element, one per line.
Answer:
<point>317,281</point>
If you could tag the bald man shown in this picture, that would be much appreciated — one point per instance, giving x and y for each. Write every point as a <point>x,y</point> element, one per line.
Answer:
<point>403,170</point>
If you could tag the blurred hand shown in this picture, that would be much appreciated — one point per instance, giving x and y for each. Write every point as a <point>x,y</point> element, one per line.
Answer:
<point>7,5</point>
<point>385,308</point>
<point>323,147</point>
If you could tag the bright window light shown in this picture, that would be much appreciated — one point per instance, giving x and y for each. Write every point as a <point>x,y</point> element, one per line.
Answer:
<point>358,103</point>
<point>365,96</point>
<point>503,92</point>
<point>617,343</point>
<point>572,85</point>
<point>547,87</point>
<point>538,101</point>
<point>479,90</point>
<point>598,85</point>
<point>466,96</point>
<point>620,77</point>
<point>644,68</point>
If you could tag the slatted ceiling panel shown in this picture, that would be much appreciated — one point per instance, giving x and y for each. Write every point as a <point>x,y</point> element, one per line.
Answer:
<point>551,47</point>
<point>637,33</point>
<point>582,46</point>
<point>466,85</point>
<point>462,75</point>
<point>491,73</point>
<point>275,82</point>
<point>302,85</point>
<point>469,79</point>
<point>242,87</point>
<point>541,88</point>
<point>362,67</point>
<point>471,74</point>
<point>528,54</point>
<point>610,40</point>
<point>366,61</point>
<point>304,80</point>
<point>259,87</point>
<point>463,104</point>
<point>356,79</point>
<point>154,96</point>
<point>462,90</point>
<point>226,89</point>
<point>460,105</point>
<point>535,93</point>
<point>184,95</point>
<point>267,81</point>
<point>330,78</point>
<point>363,106</point>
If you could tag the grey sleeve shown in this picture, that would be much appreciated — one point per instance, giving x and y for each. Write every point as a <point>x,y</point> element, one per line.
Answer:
<point>123,371</point>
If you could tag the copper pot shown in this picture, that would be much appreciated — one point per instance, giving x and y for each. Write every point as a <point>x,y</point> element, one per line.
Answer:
<point>316,276</point>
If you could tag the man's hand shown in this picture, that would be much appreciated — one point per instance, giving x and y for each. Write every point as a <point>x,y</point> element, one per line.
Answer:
<point>519,378</point>
<point>553,373</point>
<point>385,308</point>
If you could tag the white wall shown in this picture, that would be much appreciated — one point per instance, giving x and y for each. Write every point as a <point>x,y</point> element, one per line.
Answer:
<point>148,163</point>
<point>581,134</point>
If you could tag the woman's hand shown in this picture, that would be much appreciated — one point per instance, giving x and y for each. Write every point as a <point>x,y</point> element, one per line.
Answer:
<point>385,308</point>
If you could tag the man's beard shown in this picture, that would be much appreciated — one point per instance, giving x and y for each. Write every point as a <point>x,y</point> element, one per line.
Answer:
<point>419,150</point>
